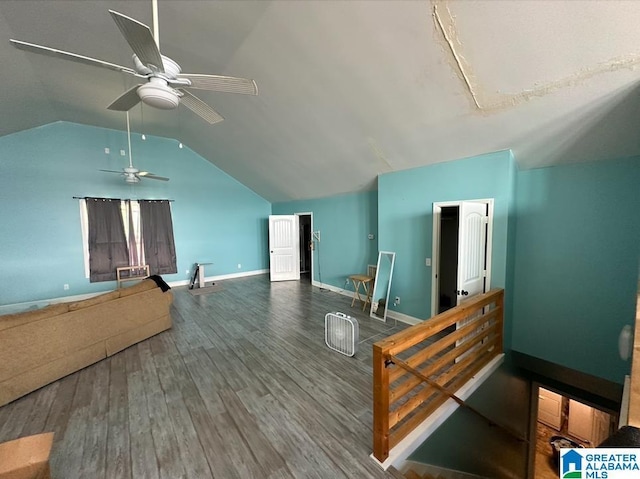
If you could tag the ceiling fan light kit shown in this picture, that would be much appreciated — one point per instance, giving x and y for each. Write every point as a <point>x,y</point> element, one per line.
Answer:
<point>158,95</point>
<point>166,86</point>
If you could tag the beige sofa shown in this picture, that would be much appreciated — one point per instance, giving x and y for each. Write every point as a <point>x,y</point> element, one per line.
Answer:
<point>38,347</point>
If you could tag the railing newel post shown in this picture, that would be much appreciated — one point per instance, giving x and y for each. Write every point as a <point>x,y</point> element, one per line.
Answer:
<point>380,404</point>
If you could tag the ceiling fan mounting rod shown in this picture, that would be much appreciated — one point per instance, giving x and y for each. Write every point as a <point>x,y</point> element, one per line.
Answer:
<point>156,31</point>
<point>129,140</point>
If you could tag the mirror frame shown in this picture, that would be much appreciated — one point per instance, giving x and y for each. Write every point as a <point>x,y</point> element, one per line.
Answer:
<point>372,312</point>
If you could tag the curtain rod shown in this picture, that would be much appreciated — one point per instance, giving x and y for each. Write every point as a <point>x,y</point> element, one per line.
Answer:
<point>119,199</point>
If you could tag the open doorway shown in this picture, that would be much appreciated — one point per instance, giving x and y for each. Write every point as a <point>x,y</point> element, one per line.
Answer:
<point>306,246</point>
<point>448,260</point>
<point>461,254</point>
<point>566,422</point>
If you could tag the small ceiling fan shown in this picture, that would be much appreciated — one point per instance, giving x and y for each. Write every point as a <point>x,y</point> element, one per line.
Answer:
<point>166,86</point>
<point>132,174</point>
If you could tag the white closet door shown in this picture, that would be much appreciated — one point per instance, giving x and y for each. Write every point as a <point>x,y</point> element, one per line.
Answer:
<point>284,247</point>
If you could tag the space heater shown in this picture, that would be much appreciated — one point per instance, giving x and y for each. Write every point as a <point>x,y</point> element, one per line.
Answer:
<point>341,333</point>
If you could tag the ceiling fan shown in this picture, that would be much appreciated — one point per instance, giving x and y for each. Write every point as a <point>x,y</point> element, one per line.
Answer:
<point>132,174</point>
<point>166,86</point>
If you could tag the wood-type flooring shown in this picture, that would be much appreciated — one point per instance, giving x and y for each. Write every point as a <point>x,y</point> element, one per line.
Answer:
<point>242,386</point>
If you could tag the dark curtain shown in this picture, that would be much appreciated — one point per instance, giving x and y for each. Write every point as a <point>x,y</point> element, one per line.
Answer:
<point>157,235</point>
<point>107,242</point>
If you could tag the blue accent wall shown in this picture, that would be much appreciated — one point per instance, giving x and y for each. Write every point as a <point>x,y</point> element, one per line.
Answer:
<point>576,268</point>
<point>344,223</point>
<point>405,219</point>
<point>216,219</point>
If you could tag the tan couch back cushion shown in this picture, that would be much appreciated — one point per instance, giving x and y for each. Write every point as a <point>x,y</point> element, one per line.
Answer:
<point>102,298</point>
<point>11,320</point>
<point>144,285</point>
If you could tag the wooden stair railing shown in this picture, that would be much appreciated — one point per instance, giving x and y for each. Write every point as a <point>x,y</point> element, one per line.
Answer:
<point>436,362</point>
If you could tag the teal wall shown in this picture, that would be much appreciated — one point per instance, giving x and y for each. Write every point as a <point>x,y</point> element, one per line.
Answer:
<point>344,223</point>
<point>565,239</point>
<point>576,268</point>
<point>405,219</point>
<point>215,218</point>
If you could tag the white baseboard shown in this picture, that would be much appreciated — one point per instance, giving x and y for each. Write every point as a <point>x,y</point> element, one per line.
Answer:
<point>221,277</point>
<point>403,318</point>
<point>335,289</point>
<point>40,303</point>
<point>399,454</point>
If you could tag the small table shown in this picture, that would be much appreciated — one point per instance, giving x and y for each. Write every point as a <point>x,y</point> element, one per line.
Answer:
<point>364,281</point>
<point>198,273</point>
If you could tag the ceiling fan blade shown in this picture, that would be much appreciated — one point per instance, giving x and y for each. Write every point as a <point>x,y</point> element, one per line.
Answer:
<point>200,108</point>
<point>140,39</point>
<point>74,57</point>
<point>151,176</point>
<point>126,101</point>
<point>220,83</point>
<point>112,171</point>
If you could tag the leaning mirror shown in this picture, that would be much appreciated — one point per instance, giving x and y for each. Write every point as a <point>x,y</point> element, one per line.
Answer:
<point>382,285</point>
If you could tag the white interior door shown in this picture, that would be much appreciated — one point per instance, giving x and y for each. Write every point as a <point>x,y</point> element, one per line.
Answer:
<point>472,248</point>
<point>284,247</point>
<point>472,236</point>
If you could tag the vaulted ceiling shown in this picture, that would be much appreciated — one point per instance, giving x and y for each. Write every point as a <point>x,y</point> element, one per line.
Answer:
<point>348,89</point>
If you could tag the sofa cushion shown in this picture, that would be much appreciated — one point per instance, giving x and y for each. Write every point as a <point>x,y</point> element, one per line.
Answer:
<point>59,336</point>
<point>144,285</point>
<point>102,298</point>
<point>10,320</point>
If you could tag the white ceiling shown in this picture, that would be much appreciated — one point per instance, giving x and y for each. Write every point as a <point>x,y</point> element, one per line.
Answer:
<point>348,89</point>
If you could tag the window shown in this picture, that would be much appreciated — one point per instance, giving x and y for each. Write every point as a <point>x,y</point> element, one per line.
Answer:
<point>126,233</point>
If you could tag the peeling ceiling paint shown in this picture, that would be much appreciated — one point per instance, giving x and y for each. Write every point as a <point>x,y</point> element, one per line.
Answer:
<point>486,102</point>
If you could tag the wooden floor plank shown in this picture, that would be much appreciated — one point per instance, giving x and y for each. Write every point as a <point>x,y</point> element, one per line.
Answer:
<point>94,450</point>
<point>242,386</point>
<point>142,449</point>
<point>118,448</point>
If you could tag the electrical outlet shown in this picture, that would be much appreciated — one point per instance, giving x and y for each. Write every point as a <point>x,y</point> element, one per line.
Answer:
<point>107,151</point>
<point>397,301</point>
<point>346,282</point>
<point>239,266</point>
<point>122,153</point>
<point>66,287</point>
<point>186,272</point>
<point>427,262</point>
